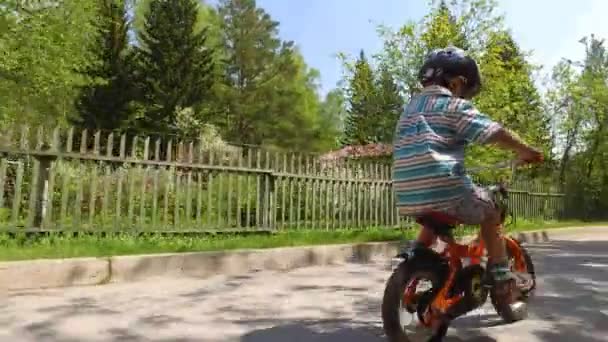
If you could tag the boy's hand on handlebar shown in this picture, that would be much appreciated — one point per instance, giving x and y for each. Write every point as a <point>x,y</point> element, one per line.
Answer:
<point>529,155</point>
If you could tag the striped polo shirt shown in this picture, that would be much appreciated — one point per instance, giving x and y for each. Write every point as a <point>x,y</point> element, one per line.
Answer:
<point>431,137</point>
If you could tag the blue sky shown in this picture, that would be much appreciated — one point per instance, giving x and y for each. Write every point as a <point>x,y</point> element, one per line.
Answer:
<point>321,28</point>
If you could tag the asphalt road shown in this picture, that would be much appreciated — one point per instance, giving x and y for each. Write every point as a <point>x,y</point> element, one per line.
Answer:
<point>338,304</point>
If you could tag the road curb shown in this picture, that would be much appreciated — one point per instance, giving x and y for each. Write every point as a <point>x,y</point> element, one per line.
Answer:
<point>40,274</point>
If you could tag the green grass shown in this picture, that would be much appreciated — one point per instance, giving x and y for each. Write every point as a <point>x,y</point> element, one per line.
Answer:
<point>56,246</point>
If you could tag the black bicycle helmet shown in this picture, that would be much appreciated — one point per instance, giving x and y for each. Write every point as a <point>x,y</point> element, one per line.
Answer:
<point>443,64</point>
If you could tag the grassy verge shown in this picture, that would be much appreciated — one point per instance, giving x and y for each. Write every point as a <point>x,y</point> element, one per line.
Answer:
<point>95,246</point>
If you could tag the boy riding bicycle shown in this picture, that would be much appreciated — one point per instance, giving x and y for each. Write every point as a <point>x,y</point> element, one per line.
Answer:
<point>431,136</point>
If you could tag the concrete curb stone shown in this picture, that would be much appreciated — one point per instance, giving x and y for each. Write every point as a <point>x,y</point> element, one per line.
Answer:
<point>40,274</point>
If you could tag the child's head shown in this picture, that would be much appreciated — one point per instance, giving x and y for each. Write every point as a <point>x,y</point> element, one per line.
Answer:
<point>453,69</point>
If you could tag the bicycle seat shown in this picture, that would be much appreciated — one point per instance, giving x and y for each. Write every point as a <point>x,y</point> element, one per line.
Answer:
<point>441,223</point>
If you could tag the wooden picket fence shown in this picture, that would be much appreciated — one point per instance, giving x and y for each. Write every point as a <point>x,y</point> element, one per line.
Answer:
<point>102,181</point>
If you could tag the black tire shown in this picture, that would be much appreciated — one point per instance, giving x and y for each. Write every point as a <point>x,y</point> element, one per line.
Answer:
<point>505,311</point>
<point>393,296</point>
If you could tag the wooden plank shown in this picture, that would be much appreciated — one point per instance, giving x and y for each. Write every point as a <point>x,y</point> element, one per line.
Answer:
<point>157,146</point>
<point>65,193</point>
<point>105,205</point>
<point>376,195</point>
<point>340,199</point>
<point>386,200</point>
<point>17,196</point>
<point>248,188</point>
<point>298,191</point>
<point>92,195</point>
<point>359,191</point>
<point>291,194</point>
<point>229,192</point>
<point>33,194</point>
<point>220,193</point>
<point>177,220</point>
<point>284,216</point>
<point>268,211</point>
<point>76,222</point>
<point>306,193</point>
<point>70,140</point>
<point>118,219</point>
<point>239,191</point>
<point>199,200</point>
<point>155,194</point>
<point>191,152</point>
<point>142,223</point>
<point>39,138</point>
<point>84,137</point>
<point>110,145</point>
<point>169,154</point>
<point>350,197</point>
<point>127,160</point>
<point>258,194</point>
<point>96,142</point>
<point>168,185</point>
<point>210,191</point>
<point>332,196</point>
<point>189,186</point>
<point>134,148</point>
<point>365,198</point>
<point>315,194</point>
<point>146,148</point>
<point>47,218</point>
<point>130,197</point>
<point>277,221</point>
<point>3,168</point>
<point>326,215</point>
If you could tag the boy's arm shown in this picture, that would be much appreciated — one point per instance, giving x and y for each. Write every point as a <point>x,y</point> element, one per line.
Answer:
<point>475,127</point>
<point>508,141</point>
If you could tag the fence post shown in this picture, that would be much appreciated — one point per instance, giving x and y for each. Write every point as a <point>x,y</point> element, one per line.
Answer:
<point>42,191</point>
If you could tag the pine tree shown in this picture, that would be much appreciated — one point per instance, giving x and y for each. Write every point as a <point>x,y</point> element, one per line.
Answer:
<point>509,94</point>
<point>359,125</point>
<point>176,67</point>
<point>107,105</point>
<point>268,92</point>
<point>390,103</point>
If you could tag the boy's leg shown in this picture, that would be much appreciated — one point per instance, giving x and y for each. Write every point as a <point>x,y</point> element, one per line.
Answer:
<point>479,208</point>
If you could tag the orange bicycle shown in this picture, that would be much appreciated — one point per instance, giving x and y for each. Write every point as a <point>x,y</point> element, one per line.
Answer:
<point>454,287</point>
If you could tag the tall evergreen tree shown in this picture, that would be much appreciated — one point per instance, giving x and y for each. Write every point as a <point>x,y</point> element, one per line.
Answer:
<point>331,119</point>
<point>390,104</point>
<point>107,105</point>
<point>268,93</point>
<point>509,94</point>
<point>176,67</point>
<point>359,125</point>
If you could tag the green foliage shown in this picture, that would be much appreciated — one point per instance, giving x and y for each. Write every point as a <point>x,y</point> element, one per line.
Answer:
<point>390,104</point>
<point>43,57</point>
<point>509,94</point>
<point>359,124</point>
<point>268,95</point>
<point>108,104</point>
<point>175,65</point>
<point>330,124</point>
<point>579,100</point>
<point>374,105</point>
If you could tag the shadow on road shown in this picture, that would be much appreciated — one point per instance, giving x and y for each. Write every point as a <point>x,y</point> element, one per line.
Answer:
<point>571,303</point>
<point>573,295</point>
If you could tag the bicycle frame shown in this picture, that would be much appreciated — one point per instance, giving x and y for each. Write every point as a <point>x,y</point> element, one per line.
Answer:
<point>453,253</point>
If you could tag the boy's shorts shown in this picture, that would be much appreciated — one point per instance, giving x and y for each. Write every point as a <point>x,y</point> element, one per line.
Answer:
<point>474,208</point>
